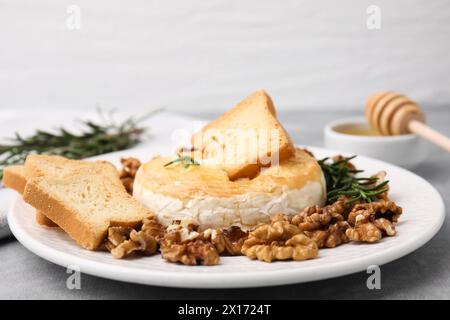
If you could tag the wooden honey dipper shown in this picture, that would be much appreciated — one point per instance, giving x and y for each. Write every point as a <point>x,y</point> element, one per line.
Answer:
<point>392,113</point>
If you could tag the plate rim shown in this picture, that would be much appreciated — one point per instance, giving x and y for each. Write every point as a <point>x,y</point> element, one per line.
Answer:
<point>229,279</point>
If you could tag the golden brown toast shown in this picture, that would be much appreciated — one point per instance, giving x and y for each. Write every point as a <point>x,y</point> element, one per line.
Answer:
<point>84,205</point>
<point>245,138</point>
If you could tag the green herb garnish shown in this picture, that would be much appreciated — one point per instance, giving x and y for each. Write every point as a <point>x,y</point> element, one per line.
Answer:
<point>186,160</point>
<point>341,180</point>
<point>95,138</point>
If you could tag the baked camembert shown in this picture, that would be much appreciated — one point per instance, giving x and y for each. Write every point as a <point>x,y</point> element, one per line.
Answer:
<point>214,194</point>
<point>205,196</point>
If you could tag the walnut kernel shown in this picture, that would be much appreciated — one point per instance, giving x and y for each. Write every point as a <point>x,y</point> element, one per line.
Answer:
<point>279,240</point>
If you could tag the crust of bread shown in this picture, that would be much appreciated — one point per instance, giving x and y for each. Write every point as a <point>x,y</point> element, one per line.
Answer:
<point>42,220</point>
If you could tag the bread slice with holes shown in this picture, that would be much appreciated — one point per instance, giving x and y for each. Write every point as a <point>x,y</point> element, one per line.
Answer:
<point>84,205</point>
<point>14,178</point>
<point>245,138</point>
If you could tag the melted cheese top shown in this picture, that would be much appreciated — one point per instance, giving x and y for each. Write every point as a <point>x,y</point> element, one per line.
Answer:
<point>204,180</point>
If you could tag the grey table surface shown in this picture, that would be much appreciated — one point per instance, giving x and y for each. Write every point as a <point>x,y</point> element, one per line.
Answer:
<point>424,274</point>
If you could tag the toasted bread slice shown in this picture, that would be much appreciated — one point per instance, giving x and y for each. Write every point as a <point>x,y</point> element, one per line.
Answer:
<point>85,205</point>
<point>14,178</point>
<point>245,138</point>
<point>37,165</point>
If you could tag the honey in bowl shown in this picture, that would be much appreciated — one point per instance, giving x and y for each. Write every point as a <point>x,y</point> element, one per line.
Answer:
<point>357,129</point>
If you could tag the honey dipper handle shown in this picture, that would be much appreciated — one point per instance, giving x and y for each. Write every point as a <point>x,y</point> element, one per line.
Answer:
<point>431,135</point>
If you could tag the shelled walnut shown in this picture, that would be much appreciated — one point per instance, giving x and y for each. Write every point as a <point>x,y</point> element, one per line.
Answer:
<point>279,240</point>
<point>130,167</point>
<point>371,221</point>
<point>228,241</point>
<point>312,218</point>
<point>152,227</point>
<point>325,225</point>
<point>123,241</point>
<point>190,250</point>
<point>330,237</point>
<point>116,236</point>
<point>318,218</point>
<point>139,241</point>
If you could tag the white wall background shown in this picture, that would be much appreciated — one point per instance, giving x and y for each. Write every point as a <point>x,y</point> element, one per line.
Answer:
<point>206,55</point>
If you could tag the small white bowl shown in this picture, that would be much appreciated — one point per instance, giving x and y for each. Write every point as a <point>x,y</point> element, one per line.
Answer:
<point>404,150</point>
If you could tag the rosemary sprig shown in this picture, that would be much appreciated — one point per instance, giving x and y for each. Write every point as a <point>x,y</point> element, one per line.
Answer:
<point>186,160</point>
<point>341,180</point>
<point>95,138</point>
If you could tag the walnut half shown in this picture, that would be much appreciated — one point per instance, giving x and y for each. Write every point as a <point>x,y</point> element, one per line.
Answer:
<point>330,237</point>
<point>371,221</point>
<point>139,241</point>
<point>318,218</point>
<point>124,241</point>
<point>190,250</point>
<point>279,240</point>
<point>325,225</point>
<point>228,241</point>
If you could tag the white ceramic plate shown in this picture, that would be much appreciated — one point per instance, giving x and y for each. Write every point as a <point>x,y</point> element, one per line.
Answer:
<point>422,219</point>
